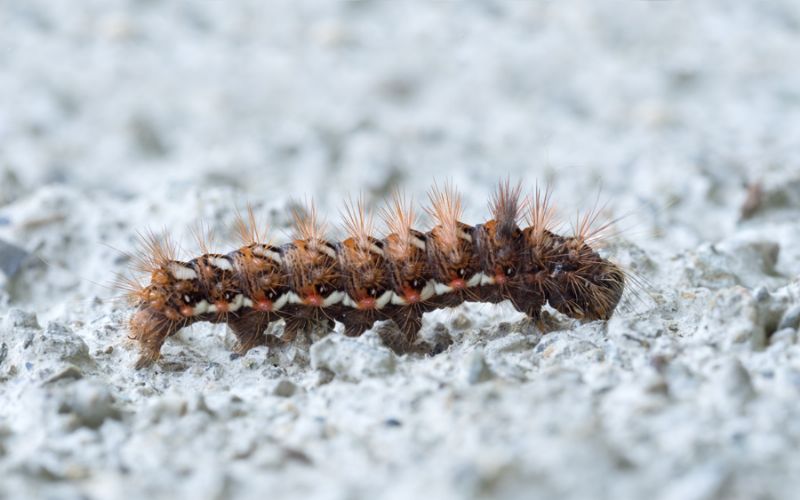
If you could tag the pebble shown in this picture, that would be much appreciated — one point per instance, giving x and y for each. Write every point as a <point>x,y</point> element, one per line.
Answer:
<point>349,358</point>
<point>284,388</point>
<point>790,318</point>
<point>19,318</point>
<point>61,343</point>
<point>11,258</point>
<point>732,386</point>
<point>168,406</point>
<point>474,368</point>
<point>69,372</point>
<point>733,316</point>
<point>783,337</point>
<point>461,322</point>
<point>89,403</point>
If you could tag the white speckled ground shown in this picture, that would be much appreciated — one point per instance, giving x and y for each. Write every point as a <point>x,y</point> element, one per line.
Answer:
<point>120,116</point>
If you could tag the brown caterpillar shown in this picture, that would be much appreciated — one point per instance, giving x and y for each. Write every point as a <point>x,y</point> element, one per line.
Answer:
<point>312,281</point>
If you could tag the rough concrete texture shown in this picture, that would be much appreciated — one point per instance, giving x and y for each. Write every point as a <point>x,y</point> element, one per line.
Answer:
<point>684,117</point>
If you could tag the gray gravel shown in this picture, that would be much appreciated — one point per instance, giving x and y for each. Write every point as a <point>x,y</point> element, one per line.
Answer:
<point>120,116</point>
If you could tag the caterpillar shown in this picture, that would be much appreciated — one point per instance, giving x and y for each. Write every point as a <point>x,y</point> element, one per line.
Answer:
<point>311,281</point>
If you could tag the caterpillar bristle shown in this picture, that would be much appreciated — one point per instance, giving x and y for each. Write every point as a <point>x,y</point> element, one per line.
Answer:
<point>399,218</point>
<point>588,229</point>
<point>541,214</point>
<point>247,229</point>
<point>358,223</point>
<point>155,251</point>
<point>506,207</point>
<point>203,237</point>
<point>131,288</point>
<point>307,225</point>
<point>445,208</point>
<point>311,282</point>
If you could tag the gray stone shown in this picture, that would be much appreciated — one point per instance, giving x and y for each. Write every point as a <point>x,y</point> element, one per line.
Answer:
<point>732,386</point>
<point>19,318</point>
<point>89,403</point>
<point>475,369</point>
<point>790,318</point>
<point>58,342</point>
<point>284,388</point>
<point>352,359</point>
<point>784,336</point>
<point>461,322</point>
<point>11,258</point>
<point>68,372</point>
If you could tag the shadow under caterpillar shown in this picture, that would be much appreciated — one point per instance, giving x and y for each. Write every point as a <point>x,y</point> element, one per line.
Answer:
<point>311,281</point>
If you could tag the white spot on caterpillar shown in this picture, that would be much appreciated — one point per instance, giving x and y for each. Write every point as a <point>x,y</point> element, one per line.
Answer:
<point>464,235</point>
<point>486,279</point>
<point>327,250</point>
<point>333,298</point>
<point>201,308</point>
<point>181,272</point>
<point>380,302</point>
<point>384,299</point>
<point>247,302</point>
<point>237,303</point>
<point>376,250</point>
<point>263,251</point>
<point>417,243</point>
<point>221,263</point>
<point>476,280</point>
<point>398,300</point>
<point>428,291</point>
<point>441,289</point>
<point>293,298</point>
<point>282,300</point>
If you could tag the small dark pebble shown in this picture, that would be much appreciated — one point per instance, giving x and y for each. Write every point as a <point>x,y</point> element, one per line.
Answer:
<point>11,258</point>
<point>297,456</point>
<point>392,422</point>
<point>3,352</point>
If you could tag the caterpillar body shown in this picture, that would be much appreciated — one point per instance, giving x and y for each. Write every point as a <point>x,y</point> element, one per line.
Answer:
<point>311,281</point>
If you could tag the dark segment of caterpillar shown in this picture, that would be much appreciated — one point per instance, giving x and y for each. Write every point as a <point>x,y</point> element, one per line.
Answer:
<point>311,282</point>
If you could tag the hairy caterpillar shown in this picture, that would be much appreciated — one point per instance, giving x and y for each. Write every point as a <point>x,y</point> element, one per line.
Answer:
<point>363,279</point>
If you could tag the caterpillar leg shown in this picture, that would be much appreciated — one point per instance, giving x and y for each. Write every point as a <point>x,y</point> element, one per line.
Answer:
<point>356,322</point>
<point>394,338</point>
<point>304,325</point>
<point>249,330</point>
<point>151,328</point>
<point>401,334</point>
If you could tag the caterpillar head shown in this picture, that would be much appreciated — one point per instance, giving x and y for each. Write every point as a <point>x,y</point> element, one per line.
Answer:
<point>175,290</point>
<point>585,286</point>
